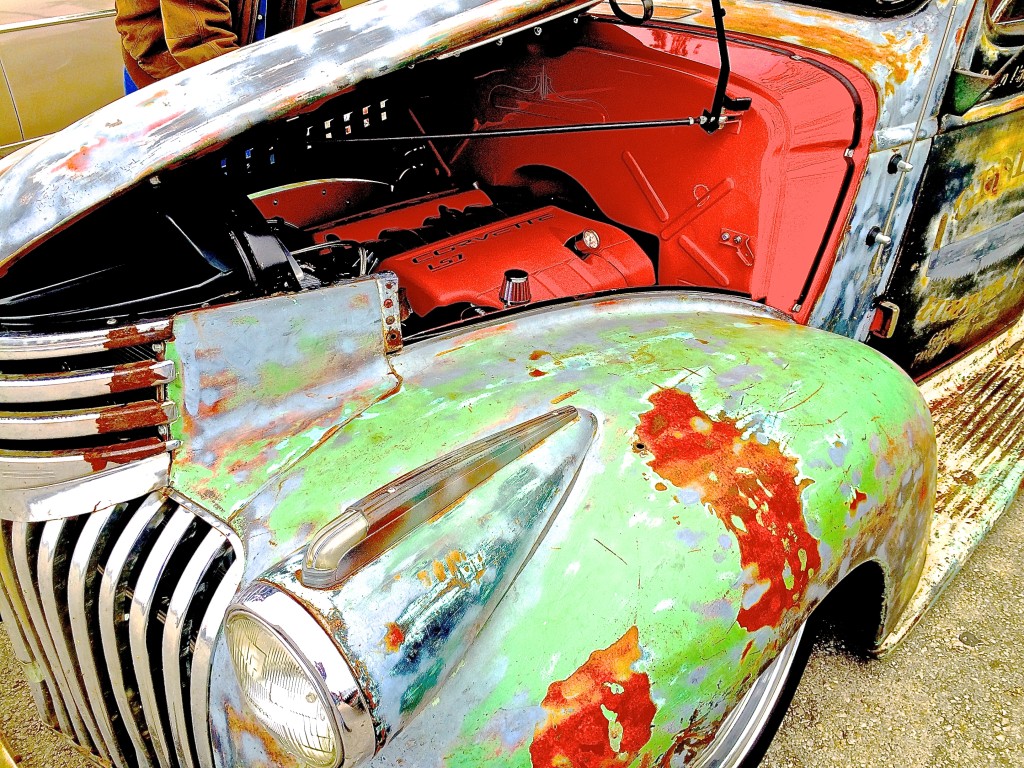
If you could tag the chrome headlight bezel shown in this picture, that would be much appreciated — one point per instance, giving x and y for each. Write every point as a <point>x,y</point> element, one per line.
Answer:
<point>312,649</point>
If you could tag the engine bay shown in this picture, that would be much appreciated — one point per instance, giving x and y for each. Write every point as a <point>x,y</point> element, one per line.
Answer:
<point>460,255</point>
<point>555,165</point>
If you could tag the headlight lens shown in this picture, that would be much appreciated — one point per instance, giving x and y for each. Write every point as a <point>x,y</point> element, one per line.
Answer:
<point>282,692</point>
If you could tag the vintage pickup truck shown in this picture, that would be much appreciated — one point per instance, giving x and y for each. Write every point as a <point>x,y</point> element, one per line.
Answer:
<point>507,382</point>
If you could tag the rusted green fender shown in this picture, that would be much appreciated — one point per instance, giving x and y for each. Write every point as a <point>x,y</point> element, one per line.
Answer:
<point>739,467</point>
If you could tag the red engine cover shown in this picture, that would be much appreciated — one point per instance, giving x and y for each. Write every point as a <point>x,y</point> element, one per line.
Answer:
<point>470,267</point>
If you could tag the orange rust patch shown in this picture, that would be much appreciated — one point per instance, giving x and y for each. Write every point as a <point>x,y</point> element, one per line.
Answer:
<point>537,373</point>
<point>100,458</point>
<point>242,723</point>
<point>79,161</point>
<point>162,93</point>
<point>660,487</point>
<point>859,497</point>
<point>444,352</point>
<point>537,354</point>
<point>752,488</point>
<point>393,637</point>
<point>134,376</point>
<point>689,742</point>
<point>130,336</point>
<point>601,715</point>
<point>131,416</point>
<point>566,396</point>
<point>850,46</point>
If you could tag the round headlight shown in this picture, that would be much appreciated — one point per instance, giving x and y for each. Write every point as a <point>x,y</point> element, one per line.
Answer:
<point>283,693</point>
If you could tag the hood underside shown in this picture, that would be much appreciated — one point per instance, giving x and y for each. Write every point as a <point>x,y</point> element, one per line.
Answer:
<point>190,114</point>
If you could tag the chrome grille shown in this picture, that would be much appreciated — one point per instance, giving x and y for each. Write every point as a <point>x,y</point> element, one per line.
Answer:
<point>73,404</point>
<point>115,614</point>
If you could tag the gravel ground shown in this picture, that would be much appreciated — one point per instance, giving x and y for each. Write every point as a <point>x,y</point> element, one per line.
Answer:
<point>951,696</point>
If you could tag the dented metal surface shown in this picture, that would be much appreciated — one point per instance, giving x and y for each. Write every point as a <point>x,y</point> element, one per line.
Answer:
<point>264,383</point>
<point>721,421</point>
<point>608,593</point>
<point>66,175</point>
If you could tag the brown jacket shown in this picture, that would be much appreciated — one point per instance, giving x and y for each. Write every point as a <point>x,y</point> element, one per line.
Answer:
<point>162,37</point>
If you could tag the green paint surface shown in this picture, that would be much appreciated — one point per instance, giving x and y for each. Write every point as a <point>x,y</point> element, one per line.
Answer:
<point>630,548</point>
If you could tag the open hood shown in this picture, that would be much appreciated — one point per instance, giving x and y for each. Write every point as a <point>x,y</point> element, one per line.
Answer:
<point>118,147</point>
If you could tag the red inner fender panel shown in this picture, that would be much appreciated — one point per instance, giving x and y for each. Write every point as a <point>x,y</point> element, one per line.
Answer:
<point>754,208</point>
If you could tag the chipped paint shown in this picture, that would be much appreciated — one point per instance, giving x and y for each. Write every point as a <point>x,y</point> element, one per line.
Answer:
<point>751,486</point>
<point>601,714</point>
<point>264,383</point>
<point>608,599</point>
<point>962,260</point>
<point>620,546</point>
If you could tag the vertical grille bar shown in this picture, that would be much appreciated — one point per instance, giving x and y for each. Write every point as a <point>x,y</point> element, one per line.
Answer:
<point>143,609</point>
<point>114,596</point>
<point>176,641</point>
<point>113,600</point>
<point>24,543</point>
<point>20,611</point>
<point>56,539</point>
<point>33,673</point>
<point>202,659</point>
<point>83,585</point>
<point>116,613</point>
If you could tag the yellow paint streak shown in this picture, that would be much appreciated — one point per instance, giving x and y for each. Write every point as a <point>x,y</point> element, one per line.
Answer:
<point>565,396</point>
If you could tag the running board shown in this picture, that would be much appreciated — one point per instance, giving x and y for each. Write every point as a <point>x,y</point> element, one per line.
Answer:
<point>977,404</point>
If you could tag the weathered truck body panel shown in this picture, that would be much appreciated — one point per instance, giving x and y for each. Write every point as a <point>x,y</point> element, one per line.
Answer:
<point>485,529</point>
<point>757,498</point>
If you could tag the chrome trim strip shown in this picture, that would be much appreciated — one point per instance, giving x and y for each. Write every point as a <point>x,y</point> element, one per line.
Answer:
<point>57,424</point>
<point>53,21</point>
<point>33,672</point>
<point>188,584</point>
<point>26,581</point>
<point>38,469</point>
<point>202,658</point>
<point>32,346</point>
<point>46,564</point>
<point>122,557</point>
<point>90,382</point>
<point>104,489</point>
<point>423,493</point>
<point>83,628</point>
<point>138,626</point>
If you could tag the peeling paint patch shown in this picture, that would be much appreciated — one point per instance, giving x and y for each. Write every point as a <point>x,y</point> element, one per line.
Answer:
<point>601,715</point>
<point>752,487</point>
<point>394,637</point>
<point>242,725</point>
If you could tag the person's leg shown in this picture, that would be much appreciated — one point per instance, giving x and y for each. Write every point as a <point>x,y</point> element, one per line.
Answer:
<point>129,84</point>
